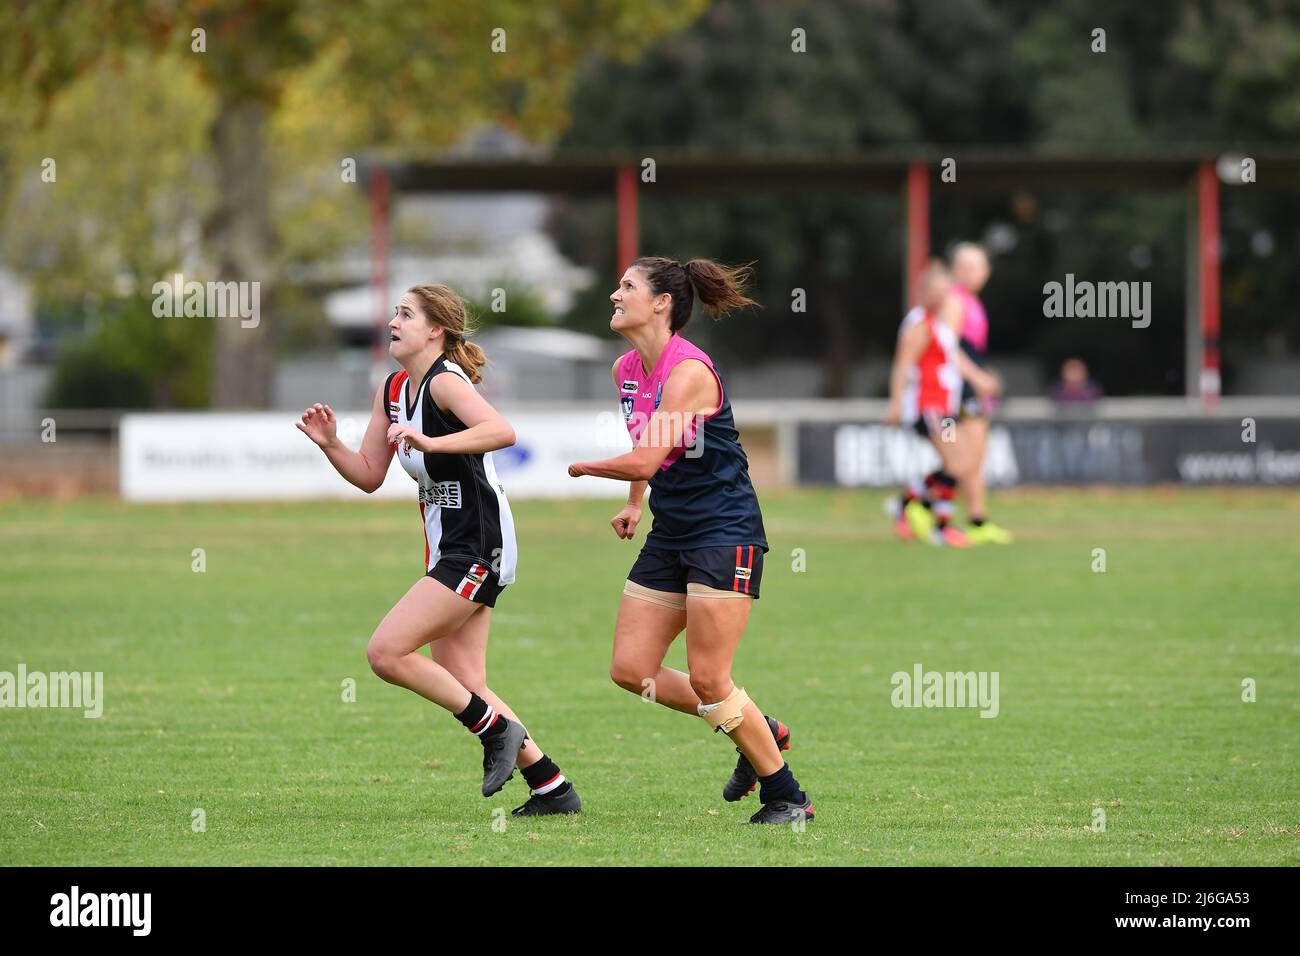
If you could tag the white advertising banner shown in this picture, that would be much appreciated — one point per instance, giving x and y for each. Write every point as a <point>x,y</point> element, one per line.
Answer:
<point>218,456</point>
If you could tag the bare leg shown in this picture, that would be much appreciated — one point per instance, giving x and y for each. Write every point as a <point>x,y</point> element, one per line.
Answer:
<point>426,612</point>
<point>464,655</point>
<point>975,488</point>
<point>642,636</point>
<point>713,631</point>
<point>960,457</point>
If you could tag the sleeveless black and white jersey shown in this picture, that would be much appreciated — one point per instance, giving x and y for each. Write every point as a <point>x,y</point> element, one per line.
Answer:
<point>462,502</point>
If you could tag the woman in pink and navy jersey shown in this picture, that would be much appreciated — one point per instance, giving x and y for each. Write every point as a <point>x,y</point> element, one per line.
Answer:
<point>702,563</point>
<point>444,433</point>
<point>967,318</point>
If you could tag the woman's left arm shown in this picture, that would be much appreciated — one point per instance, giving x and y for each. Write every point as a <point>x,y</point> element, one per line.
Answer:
<point>485,429</point>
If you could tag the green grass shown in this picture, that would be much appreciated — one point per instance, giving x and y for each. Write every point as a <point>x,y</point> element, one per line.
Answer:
<point>223,690</point>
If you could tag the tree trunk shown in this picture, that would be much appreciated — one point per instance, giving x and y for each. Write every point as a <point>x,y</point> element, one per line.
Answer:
<point>241,237</point>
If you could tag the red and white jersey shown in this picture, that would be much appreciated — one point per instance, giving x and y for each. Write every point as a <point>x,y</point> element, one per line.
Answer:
<point>934,382</point>
<point>462,501</point>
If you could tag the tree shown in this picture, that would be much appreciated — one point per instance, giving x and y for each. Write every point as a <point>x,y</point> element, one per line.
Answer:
<point>419,73</point>
<point>942,76</point>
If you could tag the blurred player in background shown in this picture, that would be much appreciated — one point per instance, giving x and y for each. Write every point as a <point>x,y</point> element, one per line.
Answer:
<point>970,272</point>
<point>925,393</point>
<point>702,562</point>
<point>444,433</point>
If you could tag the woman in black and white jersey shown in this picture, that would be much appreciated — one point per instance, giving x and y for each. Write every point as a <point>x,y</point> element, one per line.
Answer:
<point>444,433</point>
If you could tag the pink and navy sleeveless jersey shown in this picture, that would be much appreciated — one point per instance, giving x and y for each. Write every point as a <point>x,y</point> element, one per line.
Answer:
<point>974,320</point>
<point>701,496</point>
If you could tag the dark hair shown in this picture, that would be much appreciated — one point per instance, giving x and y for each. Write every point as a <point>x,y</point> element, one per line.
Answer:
<point>721,288</point>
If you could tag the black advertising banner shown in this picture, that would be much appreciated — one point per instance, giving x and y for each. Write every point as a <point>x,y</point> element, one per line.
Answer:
<point>1122,452</point>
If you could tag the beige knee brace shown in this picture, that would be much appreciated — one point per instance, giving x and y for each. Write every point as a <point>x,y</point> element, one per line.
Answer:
<point>726,715</point>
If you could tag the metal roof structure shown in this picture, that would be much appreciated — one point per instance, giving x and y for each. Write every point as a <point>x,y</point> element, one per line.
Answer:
<point>1198,171</point>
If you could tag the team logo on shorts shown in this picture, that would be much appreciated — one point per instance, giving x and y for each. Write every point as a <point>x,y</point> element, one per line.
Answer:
<point>630,386</point>
<point>472,581</point>
<point>742,574</point>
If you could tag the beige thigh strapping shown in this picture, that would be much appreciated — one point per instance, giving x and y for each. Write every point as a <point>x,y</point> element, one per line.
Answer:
<point>695,589</point>
<point>669,599</point>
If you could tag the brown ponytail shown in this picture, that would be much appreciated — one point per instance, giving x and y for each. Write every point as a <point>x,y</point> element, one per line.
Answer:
<point>470,357</point>
<point>445,309</point>
<point>721,288</point>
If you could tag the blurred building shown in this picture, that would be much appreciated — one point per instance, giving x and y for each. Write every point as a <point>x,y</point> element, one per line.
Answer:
<point>492,248</point>
<point>17,318</point>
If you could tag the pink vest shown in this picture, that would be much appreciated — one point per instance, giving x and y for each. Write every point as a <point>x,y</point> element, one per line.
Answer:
<point>641,394</point>
<point>974,320</point>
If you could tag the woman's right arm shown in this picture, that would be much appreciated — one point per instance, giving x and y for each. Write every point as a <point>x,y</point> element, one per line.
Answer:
<point>911,345</point>
<point>366,468</point>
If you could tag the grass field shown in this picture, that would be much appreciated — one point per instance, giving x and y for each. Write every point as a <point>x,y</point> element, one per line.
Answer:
<point>223,690</point>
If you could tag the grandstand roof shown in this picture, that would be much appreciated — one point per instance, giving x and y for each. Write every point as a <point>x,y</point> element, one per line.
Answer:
<point>979,168</point>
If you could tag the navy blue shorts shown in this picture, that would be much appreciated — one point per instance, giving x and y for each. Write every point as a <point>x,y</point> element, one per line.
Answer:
<point>734,567</point>
<point>933,422</point>
<point>971,406</point>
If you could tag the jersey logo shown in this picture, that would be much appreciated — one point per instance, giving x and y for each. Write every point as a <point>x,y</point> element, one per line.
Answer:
<point>630,386</point>
<point>394,410</point>
<point>627,407</point>
<point>659,394</point>
<point>444,494</point>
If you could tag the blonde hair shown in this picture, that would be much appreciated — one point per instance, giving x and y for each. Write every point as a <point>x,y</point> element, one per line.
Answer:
<point>444,308</point>
<point>965,247</point>
<point>936,270</point>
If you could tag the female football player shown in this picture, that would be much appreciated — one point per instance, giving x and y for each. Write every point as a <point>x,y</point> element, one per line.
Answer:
<point>925,388</point>
<point>970,273</point>
<point>444,433</point>
<point>702,562</point>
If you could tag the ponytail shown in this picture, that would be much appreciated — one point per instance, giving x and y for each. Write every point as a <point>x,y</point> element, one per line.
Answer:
<point>446,310</point>
<point>721,288</point>
<point>468,356</point>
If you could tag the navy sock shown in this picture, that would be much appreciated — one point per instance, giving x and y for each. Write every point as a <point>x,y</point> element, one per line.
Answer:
<point>481,718</point>
<point>544,778</point>
<point>781,786</point>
